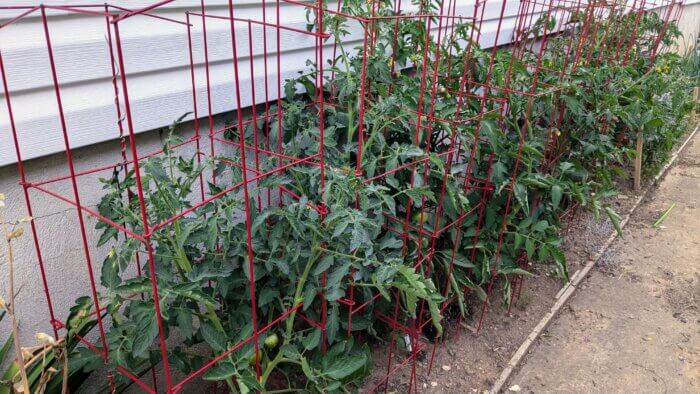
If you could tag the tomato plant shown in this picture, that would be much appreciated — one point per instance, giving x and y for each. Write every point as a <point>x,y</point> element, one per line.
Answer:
<point>388,152</point>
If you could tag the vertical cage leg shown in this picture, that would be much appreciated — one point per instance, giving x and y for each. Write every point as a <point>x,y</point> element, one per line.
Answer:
<point>74,184</point>
<point>144,215</point>
<point>246,194</point>
<point>27,200</point>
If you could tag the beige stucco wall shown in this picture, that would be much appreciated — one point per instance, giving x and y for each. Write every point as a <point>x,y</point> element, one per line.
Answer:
<point>59,231</point>
<point>689,24</point>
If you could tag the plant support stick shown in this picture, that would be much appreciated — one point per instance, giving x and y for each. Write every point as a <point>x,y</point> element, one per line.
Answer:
<point>10,307</point>
<point>638,163</point>
<point>694,102</point>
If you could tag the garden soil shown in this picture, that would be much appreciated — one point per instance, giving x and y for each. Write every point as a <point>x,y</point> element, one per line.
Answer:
<point>635,328</point>
<point>632,326</point>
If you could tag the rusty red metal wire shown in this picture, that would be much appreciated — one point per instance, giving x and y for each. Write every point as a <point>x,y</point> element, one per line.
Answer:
<point>482,101</point>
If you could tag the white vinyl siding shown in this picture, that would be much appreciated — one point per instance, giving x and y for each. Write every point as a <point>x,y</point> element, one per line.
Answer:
<point>157,65</point>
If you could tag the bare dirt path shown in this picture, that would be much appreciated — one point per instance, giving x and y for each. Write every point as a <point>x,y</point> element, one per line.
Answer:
<point>634,323</point>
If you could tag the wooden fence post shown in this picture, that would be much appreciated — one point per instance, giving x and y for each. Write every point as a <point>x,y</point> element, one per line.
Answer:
<point>693,112</point>
<point>638,163</point>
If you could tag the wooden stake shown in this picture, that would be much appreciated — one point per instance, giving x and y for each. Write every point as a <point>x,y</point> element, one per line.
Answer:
<point>693,114</point>
<point>638,163</point>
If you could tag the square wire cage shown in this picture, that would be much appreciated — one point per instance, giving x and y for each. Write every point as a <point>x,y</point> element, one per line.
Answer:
<point>231,172</point>
<point>552,40</point>
<point>436,139</point>
<point>439,165</point>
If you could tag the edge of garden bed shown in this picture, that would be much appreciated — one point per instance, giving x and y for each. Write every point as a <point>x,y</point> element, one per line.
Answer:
<point>568,289</point>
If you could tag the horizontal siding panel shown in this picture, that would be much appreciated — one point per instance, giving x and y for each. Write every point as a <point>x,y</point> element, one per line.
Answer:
<point>177,5</point>
<point>157,65</point>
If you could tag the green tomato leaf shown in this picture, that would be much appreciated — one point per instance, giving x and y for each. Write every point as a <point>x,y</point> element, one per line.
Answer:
<point>556,196</point>
<point>215,338</point>
<point>333,324</point>
<point>323,265</point>
<point>222,370</point>
<point>146,333</point>
<point>614,218</point>
<point>312,340</point>
<point>184,322</point>
<point>530,247</point>
<point>307,370</point>
<point>342,367</point>
<point>110,271</point>
<point>540,226</point>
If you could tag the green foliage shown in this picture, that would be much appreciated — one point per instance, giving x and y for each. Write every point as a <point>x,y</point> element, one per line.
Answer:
<point>203,269</point>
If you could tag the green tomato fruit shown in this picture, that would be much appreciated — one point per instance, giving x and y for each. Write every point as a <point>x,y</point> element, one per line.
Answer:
<point>272,341</point>
<point>424,243</point>
<point>254,357</point>
<point>419,217</point>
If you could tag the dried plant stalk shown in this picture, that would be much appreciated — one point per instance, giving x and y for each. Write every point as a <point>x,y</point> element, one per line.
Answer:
<point>10,233</point>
